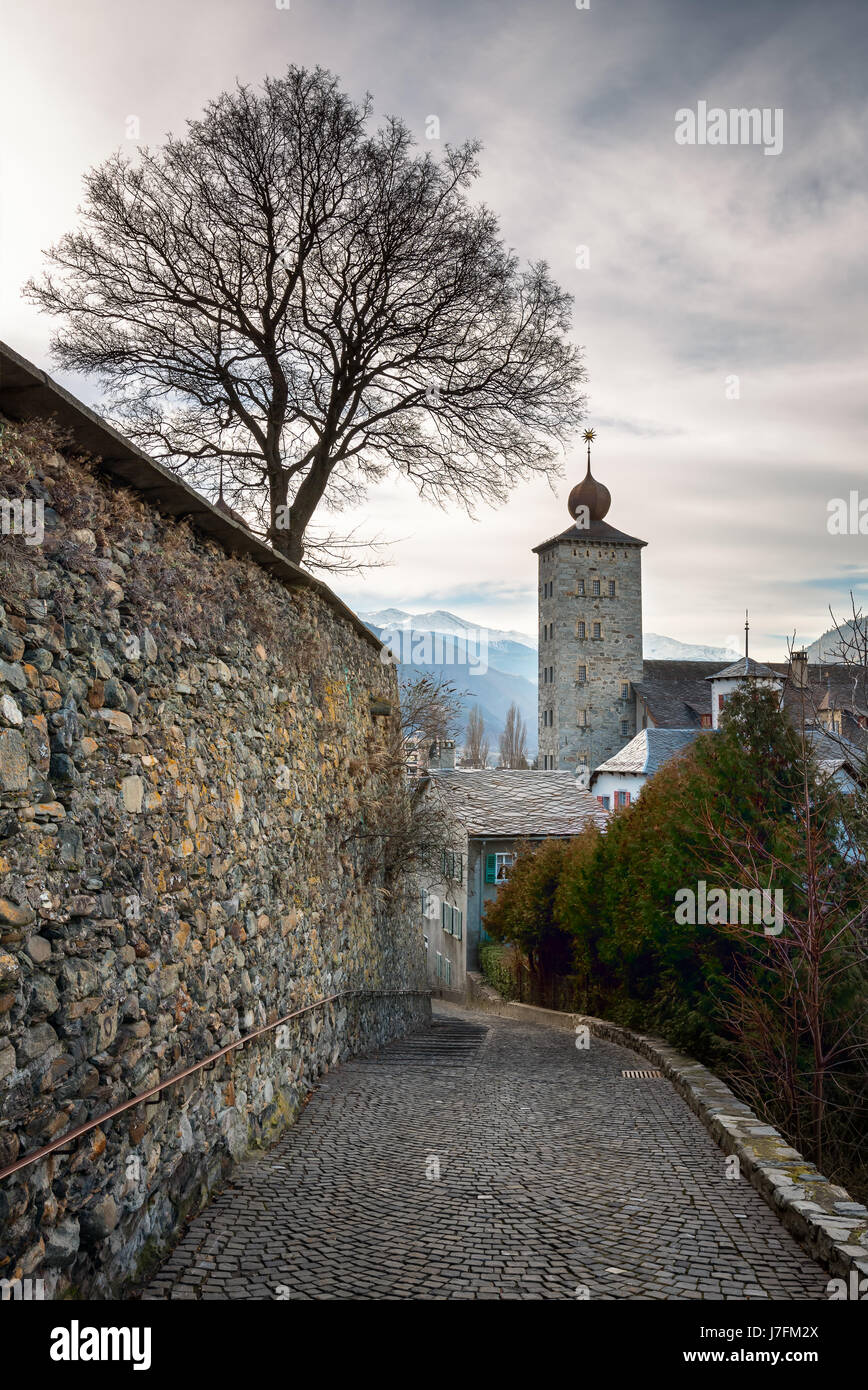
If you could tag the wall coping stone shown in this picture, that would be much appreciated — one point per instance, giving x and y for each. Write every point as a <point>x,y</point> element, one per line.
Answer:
<point>27,392</point>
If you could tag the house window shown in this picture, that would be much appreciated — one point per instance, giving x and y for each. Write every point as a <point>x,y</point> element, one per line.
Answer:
<point>625,690</point>
<point>622,798</point>
<point>604,802</point>
<point>721,701</point>
<point>497,867</point>
<point>597,630</point>
<point>439,966</point>
<point>453,865</point>
<point>611,588</point>
<point>581,674</point>
<point>581,631</point>
<point>705,721</point>
<point>625,727</point>
<point>447,972</point>
<point>595,588</point>
<point>580,591</point>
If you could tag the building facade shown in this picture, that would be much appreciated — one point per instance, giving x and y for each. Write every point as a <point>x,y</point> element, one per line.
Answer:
<point>489,815</point>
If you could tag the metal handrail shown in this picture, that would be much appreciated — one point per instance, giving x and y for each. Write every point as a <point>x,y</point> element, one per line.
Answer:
<point>72,1134</point>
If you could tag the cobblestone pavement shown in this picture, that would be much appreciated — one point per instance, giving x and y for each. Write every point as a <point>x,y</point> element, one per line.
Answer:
<point>557,1175</point>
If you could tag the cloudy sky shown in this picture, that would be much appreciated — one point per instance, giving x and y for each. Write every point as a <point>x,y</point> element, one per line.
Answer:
<point>706,263</point>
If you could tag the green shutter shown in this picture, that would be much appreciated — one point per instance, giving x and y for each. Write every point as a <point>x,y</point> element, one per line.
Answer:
<point>459,918</point>
<point>490,868</point>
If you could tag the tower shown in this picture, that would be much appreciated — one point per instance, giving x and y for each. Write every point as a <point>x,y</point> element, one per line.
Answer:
<point>590,633</point>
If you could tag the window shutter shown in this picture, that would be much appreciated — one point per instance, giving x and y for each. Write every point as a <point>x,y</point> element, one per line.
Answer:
<point>459,918</point>
<point>490,868</point>
<point>626,798</point>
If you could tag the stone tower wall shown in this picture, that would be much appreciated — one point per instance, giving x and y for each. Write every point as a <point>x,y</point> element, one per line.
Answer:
<point>610,660</point>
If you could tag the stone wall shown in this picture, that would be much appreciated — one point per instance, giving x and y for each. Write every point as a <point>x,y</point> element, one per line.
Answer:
<point>191,775</point>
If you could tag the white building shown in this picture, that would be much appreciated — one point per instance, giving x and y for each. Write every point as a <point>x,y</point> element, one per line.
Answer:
<point>619,780</point>
<point>725,682</point>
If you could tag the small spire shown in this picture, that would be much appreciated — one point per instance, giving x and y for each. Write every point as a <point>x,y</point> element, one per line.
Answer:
<point>746,630</point>
<point>594,496</point>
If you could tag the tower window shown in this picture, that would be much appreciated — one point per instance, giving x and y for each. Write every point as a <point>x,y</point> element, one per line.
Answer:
<point>597,630</point>
<point>625,690</point>
<point>580,590</point>
<point>595,588</point>
<point>625,727</point>
<point>611,588</point>
<point>581,674</point>
<point>581,631</point>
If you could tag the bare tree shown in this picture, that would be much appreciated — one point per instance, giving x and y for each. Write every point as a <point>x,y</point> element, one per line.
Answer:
<point>409,823</point>
<point>286,299</point>
<point>476,743</point>
<point>513,740</point>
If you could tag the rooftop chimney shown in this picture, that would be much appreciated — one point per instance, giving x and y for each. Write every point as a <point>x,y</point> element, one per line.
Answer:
<point>799,669</point>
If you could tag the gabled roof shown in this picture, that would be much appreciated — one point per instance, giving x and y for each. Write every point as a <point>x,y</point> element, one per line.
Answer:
<point>594,531</point>
<point>746,668</point>
<point>648,751</point>
<point>513,804</point>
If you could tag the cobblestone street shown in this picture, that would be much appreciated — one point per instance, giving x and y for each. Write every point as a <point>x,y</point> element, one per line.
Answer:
<point>556,1174</point>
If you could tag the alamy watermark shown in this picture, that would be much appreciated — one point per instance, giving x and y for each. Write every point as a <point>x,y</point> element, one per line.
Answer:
<point>847,516</point>
<point>23,517</point>
<point>741,125</point>
<point>704,906</point>
<point>22,1290</point>
<point>404,646</point>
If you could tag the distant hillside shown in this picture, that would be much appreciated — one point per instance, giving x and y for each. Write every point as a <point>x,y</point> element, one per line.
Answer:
<point>657,648</point>
<point>488,667</point>
<point>505,662</point>
<point>828,647</point>
<point>441,621</point>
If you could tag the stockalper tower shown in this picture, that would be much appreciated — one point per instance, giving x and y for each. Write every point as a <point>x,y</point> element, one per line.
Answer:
<point>590,633</point>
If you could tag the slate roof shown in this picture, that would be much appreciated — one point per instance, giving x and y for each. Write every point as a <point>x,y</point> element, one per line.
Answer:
<point>648,751</point>
<point>505,804</point>
<point>594,531</point>
<point>677,693</point>
<point>745,666</point>
<point>833,750</point>
<point>675,690</point>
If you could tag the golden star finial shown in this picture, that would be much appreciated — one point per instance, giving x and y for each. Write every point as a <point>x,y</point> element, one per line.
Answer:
<point>589,436</point>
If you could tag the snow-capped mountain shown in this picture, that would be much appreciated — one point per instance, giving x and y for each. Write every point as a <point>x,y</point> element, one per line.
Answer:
<point>657,648</point>
<point>441,621</point>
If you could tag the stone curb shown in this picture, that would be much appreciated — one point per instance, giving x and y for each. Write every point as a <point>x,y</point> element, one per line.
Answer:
<point>822,1216</point>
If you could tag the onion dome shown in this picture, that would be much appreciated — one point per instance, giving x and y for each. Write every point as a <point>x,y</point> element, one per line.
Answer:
<point>589,493</point>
